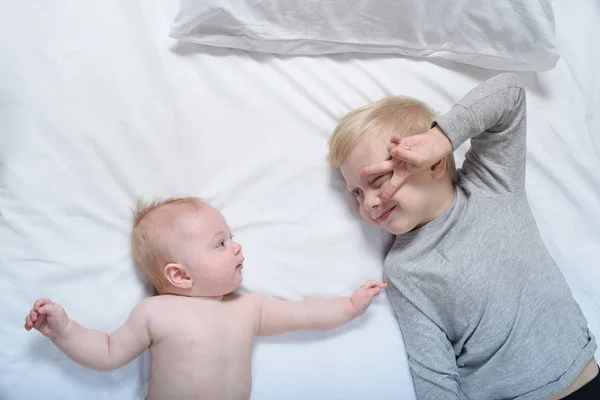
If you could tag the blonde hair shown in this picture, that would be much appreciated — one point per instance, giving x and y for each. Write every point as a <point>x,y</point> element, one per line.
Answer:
<point>150,244</point>
<point>391,116</point>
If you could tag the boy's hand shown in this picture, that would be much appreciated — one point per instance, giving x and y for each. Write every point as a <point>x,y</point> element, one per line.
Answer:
<point>410,155</point>
<point>361,299</point>
<point>47,317</point>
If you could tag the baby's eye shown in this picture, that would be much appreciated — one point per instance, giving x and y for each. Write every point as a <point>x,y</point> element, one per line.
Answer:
<point>231,236</point>
<point>221,244</point>
<point>356,192</point>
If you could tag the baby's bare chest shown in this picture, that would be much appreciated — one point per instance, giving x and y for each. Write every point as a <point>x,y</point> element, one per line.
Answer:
<point>202,350</point>
<point>207,333</point>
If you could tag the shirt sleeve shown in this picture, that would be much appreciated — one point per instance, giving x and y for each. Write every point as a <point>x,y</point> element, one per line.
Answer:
<point>493,117</point>
<point>430,354</point>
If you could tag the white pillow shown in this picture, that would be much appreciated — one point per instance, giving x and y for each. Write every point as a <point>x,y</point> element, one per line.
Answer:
<point>497,34</point>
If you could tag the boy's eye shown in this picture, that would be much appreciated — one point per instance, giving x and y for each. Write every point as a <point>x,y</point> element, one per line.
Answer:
<point>221,244</point>
<point>356,192</point>
<point>377,180</point>
<point>230,236</point>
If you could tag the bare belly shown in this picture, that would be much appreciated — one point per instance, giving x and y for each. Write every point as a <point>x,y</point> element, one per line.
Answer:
<point>193,365</point>
<point>200,381</point>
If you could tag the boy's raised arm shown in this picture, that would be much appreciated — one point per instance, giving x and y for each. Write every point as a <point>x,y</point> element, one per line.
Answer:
<point>91,348</point>
<point>493,116</point>
<point>277,317</point>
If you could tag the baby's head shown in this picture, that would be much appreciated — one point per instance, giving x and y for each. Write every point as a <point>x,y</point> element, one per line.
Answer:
<point>185,247</point>
<point>362,138</point>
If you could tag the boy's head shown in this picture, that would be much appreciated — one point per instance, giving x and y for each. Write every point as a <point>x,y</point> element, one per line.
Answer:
<point>184,246</point>
<point>362,138</point>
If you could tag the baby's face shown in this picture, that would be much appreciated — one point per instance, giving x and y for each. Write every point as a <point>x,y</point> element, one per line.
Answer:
<point>212,258</point>
<point>409,207</point>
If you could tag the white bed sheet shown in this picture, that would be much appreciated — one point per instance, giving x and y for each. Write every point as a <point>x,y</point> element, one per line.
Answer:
<point>99,106</point>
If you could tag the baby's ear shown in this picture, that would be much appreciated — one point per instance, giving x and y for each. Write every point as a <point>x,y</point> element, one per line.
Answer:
<point>177,276</point>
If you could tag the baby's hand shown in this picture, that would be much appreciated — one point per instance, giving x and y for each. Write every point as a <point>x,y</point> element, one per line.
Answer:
<point>47,317</point>
<point>410,155</point>
<point>361,299</point>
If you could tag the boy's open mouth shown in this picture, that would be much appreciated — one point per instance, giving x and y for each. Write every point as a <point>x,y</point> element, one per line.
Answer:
<point>385,214</point>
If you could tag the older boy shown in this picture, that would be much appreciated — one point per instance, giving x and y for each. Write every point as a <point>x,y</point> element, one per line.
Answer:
<point>482,306</point>
<point>199,333</point>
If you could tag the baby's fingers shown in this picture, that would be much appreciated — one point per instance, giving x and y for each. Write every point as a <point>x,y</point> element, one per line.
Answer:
<point>38,323</point>
<point>33,316</point>
<point>48,309</point>
<point>28,323</point>
<point>39,303</point>
<point>370,284</point>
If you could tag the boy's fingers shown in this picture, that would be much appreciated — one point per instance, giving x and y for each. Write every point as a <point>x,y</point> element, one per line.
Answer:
<point>384,166</point>
<point>408,155</point>
<point>392,185</point>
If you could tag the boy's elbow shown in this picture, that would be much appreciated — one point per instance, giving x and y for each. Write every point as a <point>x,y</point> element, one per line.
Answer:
<point>510,79</point>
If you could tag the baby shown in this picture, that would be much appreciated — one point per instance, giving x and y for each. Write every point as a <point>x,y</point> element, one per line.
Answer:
<point>199,333</point>
<point>483,308</point>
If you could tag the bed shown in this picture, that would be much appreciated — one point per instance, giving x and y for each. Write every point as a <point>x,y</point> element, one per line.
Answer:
<point>99,106</point>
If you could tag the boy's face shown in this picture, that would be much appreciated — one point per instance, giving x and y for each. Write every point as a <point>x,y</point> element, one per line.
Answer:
<point>212,259</point>
<point>409,208</point>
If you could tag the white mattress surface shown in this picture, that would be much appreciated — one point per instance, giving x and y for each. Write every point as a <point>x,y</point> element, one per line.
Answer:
<point>98,106</point>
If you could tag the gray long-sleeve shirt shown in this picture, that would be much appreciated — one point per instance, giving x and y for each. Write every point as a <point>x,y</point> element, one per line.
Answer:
<point>480,302</point>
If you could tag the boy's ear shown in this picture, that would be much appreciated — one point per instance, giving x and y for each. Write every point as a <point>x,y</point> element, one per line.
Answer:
<point>177,276</point>
<point>439,168</point>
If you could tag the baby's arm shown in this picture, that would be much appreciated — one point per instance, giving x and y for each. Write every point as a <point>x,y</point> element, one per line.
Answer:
<point>91,348</point>
<point>277,317</point>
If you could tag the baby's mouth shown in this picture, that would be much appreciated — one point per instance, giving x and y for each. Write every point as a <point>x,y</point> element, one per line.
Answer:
<point>240,265</point>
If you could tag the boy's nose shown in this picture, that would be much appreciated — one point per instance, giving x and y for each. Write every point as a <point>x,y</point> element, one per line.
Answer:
<point>371,201</point>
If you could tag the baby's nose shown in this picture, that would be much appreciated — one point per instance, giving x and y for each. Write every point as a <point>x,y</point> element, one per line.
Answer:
<point>237,247</point>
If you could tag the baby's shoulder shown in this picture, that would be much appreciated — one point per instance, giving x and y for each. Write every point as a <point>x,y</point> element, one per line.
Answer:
<point>164,305</point>
<point>243,300</point>
<point>152,306</point>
